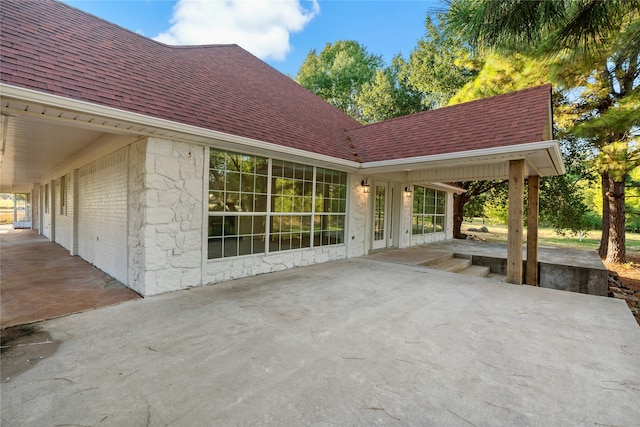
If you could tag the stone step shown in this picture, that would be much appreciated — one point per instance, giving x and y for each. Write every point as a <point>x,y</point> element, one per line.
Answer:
<point>476,270</point>
<point>453,265</point>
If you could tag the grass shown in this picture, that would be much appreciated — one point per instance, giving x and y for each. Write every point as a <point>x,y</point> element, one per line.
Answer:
<point>548,237</point>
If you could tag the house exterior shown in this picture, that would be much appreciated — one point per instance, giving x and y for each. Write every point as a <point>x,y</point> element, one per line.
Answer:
<point>172,167</point>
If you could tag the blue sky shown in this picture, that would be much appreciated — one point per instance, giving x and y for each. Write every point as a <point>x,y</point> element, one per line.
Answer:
<point>281,32</point>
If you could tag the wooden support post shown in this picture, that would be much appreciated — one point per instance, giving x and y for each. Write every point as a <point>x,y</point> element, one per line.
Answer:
<point>516,219</point>
<point>532,230</point>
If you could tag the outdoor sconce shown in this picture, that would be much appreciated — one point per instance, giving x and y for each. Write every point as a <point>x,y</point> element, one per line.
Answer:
<point>365,185</point>
<point>407,190</point>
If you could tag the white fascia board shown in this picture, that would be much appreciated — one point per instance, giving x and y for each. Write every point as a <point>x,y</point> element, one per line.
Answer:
<point>512,151</point>
<point>88,108</point>
<point>556,157</point>
<point>446,187</point>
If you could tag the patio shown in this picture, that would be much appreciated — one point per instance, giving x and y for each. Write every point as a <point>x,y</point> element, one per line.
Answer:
<point>354,342</point>
<point>40,280</point>
<point>558,268</point>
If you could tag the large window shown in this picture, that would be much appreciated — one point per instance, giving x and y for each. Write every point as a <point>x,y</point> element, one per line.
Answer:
<point>428,211</point>
<point>237,204</point>
<point>330,206</point>
<point>258,205</point>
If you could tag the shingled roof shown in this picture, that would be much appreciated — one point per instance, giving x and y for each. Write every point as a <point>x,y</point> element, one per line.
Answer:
<point>50,47</point>
<point>499,121</point>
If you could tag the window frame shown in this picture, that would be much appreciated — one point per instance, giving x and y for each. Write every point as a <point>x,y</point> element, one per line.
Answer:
<point>312,219</point>
<point>431,210</point>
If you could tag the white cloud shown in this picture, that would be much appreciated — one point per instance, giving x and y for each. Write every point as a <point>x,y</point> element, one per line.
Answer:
<point>260,26</point>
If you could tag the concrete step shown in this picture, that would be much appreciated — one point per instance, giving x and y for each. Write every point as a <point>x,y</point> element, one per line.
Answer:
<point>476,270</point>
<point>453,265</point>
<point>437,258</point>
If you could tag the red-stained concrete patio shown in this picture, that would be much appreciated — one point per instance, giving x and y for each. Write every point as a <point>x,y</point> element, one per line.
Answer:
<point>39,280</point>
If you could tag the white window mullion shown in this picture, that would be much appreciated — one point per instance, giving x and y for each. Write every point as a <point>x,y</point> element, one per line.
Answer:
<point>313,208</point>
<point>267,225</point>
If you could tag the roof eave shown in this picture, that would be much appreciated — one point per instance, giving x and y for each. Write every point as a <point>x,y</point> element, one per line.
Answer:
<point>126,122</point>
<point>482,156</point>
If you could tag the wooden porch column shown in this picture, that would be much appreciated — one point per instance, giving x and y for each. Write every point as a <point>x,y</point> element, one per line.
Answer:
<point>532,230</point>
<point>516,214</point>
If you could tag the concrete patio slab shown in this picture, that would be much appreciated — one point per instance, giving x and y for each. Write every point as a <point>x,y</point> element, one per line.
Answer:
<point>355,342</point>
<point>558,268</point>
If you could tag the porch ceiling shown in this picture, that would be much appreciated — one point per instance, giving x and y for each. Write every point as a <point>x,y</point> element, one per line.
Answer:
<point>34,146</point>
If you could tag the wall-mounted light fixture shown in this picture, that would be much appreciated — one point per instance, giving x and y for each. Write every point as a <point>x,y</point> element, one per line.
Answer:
<point>365,185</point>
<point>407,190</point>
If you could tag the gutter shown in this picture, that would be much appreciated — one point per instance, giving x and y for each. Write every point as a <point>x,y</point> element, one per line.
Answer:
<point>110,113</point>
<point>520,151</point>
<point>205,136</point>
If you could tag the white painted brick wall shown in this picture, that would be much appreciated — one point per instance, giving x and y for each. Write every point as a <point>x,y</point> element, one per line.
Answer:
<point>35,207</point>
<point>405,239</point>
<point>46,192</point>
<point>102,221</point>
<point>64,222</point>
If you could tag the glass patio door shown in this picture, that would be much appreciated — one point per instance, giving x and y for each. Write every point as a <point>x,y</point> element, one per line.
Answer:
<point>22,210</point>
<point>380,216</point>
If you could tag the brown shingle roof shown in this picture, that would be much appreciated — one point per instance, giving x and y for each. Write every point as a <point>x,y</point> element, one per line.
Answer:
<point>51,47</point>
<point>54,48</point>
<point>500,121</point>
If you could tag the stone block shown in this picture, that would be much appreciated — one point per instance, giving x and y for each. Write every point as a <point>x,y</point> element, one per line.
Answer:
<point>169,198</point>
<point>168,167</point>
<point>191,259</point>
<point>160,146</point>
<point>191,277</point>
<point>168,280</point>
<point>160,215</point>
<point>155,258</point>
<point>193,187</point>
<point>166,241</point>
<point>158,182</point>
<point>192,240</point>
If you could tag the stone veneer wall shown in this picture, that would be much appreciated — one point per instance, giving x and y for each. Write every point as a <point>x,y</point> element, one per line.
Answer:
<point>166,234</point>
<point>359,208</point>
<point>405,238</point>
<point>136,212</point>
<point>234,268</point>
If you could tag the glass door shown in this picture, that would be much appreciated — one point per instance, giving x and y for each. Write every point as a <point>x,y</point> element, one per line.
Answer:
<point>380,217</point>
<point>22,210</point>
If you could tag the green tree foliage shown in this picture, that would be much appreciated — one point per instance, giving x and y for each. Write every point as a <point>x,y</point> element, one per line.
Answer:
<point>633,201</point>
<point>389,95</point>
<point>502,74</point>
<point>439,66</point>
<point>593,53</point>
<point>338,73</point>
